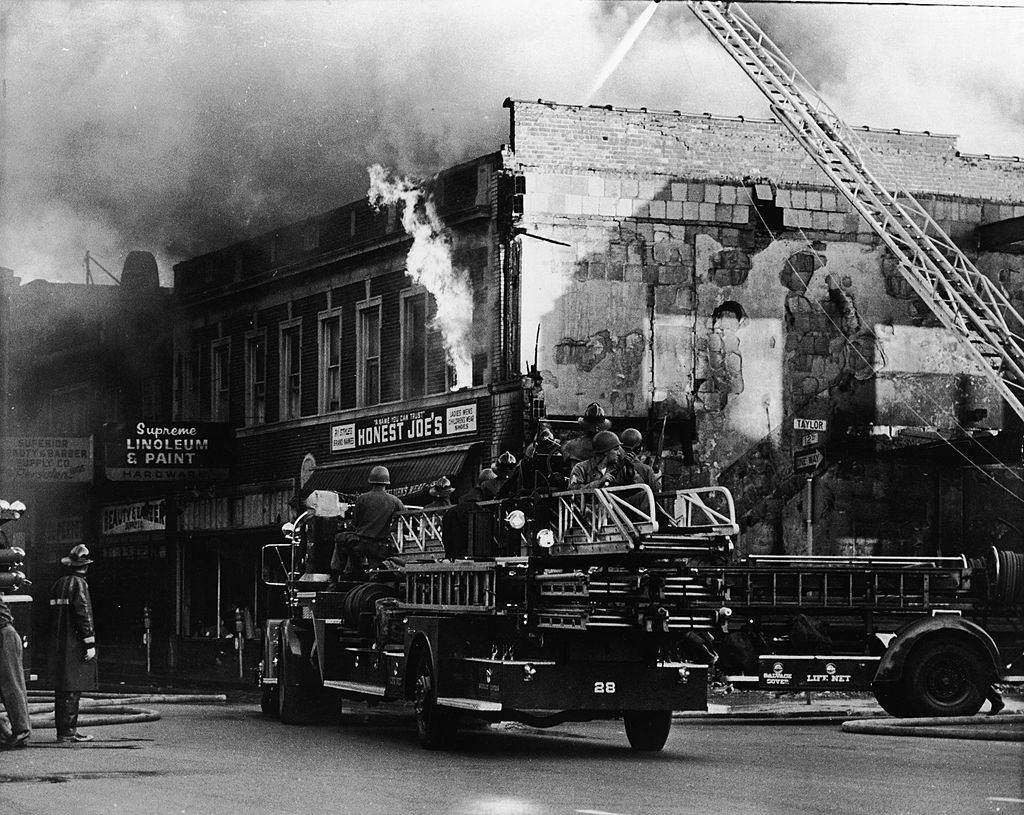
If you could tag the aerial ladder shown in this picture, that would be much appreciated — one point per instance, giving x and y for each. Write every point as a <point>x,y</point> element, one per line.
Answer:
<point>966,302</point>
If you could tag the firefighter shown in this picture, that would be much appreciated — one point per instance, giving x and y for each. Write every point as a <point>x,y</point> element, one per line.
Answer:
<point>441,491</point>
<point>543,466</point>
<point>12,682</point>
<point>632,446</point>
<point>606,467</point>
<point>74,643</point>
<point>591,423</point>
<point>505,482</point>
<point>455,524</point>
<point>370,536</point>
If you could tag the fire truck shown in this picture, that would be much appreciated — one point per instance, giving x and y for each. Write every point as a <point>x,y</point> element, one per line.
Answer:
<point>13,581</point>
<point>927,635</point>
<point>571,606</point>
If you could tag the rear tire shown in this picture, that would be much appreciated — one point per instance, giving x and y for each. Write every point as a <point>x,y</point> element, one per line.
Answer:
<point>893,700</point>
<point>295,704</point>
<point>647,730</point>
<point>435,726</point>
<point>945,678</point>
<point>269,702</point>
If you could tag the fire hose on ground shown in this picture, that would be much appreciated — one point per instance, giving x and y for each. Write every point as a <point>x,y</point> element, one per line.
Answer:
<point>98,709</point>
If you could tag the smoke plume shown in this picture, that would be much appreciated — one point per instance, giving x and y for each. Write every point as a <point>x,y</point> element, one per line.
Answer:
<point>429,264</point>
<point>178,127</point>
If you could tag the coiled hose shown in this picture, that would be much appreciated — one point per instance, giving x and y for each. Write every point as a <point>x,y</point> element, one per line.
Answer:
<point>1005,573</point>
<point>99,709</point>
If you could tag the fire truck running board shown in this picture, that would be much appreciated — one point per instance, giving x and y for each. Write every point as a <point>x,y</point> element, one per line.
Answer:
<point>354,687</point>
<point>481,705</point>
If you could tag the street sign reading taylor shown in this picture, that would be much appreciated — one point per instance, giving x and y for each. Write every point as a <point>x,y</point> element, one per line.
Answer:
<point>170,451</point>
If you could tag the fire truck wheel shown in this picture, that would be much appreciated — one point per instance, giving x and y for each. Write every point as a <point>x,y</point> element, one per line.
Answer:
<point>434,725</point>
<point>944,678</point>
<point>295,704</point>
<point>647,730</point>
<point>893,700</point>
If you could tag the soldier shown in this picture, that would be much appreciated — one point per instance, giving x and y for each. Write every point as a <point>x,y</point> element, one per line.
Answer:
<point>606,466</point>
<point>370,536</point>
<point>12,682</point>
<point>632,446</point>
<point>592,422</point>
<point>74,643</point>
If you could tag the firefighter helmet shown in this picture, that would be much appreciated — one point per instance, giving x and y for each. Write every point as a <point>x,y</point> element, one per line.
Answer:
<point>631,439</point>
<point>605,441</point>
<point>78,556</point>
<point>379,475</point>
<point>441,487</point>
<point>593,417</point>
<point>485,475</point>
<point>505,464</point>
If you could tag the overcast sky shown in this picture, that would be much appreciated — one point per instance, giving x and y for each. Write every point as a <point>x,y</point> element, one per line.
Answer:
<point>179,127</point>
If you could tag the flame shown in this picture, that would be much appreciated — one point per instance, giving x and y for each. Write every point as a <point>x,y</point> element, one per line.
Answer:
<point>429,264</point>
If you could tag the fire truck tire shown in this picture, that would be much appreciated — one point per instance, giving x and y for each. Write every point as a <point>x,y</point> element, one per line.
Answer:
<point>647,730</point>
<point>295,704</point>
<point>435,726</point>
<point>893,700</point>
<point>944,678</point>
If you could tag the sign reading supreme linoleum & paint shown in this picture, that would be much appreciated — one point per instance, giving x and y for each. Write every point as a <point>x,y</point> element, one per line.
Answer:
<point>170,451</point>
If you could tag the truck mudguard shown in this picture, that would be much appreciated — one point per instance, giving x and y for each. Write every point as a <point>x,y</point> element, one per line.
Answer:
<point>890,668</point>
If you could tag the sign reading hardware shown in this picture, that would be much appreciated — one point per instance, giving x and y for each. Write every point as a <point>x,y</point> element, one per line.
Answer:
<point>173,451</point>
<point>399,428</point>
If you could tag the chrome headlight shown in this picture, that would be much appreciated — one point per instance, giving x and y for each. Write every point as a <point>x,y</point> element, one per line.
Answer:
<point>516,519</point>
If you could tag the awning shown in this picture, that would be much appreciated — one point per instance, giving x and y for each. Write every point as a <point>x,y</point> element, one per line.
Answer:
<point>412,473</point>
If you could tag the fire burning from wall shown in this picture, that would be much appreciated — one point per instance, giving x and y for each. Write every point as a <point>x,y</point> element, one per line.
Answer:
<point>429,264</point>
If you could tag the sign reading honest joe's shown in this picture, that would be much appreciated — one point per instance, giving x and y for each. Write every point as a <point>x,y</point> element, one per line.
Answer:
<point>397,428</point>
<point>171,451</point>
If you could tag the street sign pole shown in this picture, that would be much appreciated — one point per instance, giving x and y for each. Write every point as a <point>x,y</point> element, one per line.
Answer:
<point>810,515</point>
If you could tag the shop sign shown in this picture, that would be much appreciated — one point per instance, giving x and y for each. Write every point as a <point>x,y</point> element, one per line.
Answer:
<point>47,459</point>
<point>144,516</point>
<point>173,451</point>
<point>400,428</point>
<point>62,530</point>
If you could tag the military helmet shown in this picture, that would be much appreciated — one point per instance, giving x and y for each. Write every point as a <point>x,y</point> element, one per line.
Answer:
<point>593,417</point>
<point>605,441</point>
<point>379,475</point>
<point>631,438</point>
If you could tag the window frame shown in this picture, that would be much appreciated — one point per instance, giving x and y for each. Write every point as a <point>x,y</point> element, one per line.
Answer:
<point>255,405</point>
<point>324,365</point>
<point>363,309</point>
<point>284,381</point>
<point>220,388</point>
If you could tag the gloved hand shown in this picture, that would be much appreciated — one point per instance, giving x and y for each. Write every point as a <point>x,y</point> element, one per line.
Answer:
<point>90,654</point>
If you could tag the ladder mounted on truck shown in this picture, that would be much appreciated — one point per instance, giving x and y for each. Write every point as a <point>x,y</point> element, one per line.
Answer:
<point>966,302</point>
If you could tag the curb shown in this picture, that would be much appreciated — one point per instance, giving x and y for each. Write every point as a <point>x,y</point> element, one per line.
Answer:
<point>771,716</point>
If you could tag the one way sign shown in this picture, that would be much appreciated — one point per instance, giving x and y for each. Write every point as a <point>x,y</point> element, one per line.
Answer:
<point>807,462</point>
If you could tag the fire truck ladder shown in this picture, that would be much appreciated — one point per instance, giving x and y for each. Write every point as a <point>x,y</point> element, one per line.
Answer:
<point>966,302</point>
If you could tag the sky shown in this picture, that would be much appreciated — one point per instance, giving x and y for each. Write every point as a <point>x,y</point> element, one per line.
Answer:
<point>180,127</point>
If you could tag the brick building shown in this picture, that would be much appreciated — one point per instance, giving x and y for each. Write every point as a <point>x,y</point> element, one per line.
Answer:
<point>696,275</point>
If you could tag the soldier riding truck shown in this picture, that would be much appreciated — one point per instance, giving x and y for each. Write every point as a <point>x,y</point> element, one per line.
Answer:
<point>542,609</point>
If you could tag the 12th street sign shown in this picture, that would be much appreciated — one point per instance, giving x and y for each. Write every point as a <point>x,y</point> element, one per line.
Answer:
<point>807,462</point>
<point>810,424</point>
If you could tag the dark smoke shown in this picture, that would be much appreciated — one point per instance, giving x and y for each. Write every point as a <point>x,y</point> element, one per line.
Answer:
<point>178,127</point>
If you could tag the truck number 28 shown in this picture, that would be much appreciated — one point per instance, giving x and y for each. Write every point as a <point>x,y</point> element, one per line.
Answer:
<point>604,687</point>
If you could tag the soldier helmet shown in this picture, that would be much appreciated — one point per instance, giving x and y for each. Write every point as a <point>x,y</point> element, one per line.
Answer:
<point>441,487</point>
<point>605,441</point>
<point>631,438</point>
<point>78,556</point>
<point>593,417</point>
<point>485,476</point>
<point>379,475</point>
<point>505,464</point>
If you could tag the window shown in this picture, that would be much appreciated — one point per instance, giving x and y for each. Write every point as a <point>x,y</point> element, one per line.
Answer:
<point>256,378</point>
<point>369,352</point>
<point>290,397</point>
<point>220,380</point>
<point>424,367</point>
<point>330,361</point>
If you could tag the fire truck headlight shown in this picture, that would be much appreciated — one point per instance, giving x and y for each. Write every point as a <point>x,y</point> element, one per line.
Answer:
<point>287,529</point>
<point>516,519</point>
<point>4,505</point>
<point>684,676</point>
<point>18,506</point>
<point>528,673</point>
<point>545,539</point>
<point>724,613</point>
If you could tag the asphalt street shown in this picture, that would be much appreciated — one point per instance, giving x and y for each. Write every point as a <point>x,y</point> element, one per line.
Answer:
<point>229,759</point>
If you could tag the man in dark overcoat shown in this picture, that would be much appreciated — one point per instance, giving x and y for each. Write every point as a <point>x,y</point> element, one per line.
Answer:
<point>74,662</point>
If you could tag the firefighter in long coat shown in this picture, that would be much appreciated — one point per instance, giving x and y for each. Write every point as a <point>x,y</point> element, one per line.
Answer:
<point>74,640</point>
